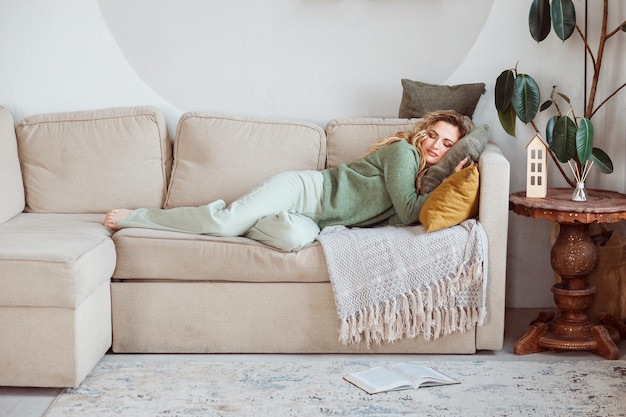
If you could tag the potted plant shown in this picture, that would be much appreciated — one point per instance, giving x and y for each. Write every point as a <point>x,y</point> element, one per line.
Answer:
<point>569,137</point>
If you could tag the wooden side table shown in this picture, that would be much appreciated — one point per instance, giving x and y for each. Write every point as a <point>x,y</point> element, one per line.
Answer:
<point>573,256</point>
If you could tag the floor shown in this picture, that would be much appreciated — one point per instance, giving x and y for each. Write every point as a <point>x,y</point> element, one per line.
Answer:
<point>33,402</point>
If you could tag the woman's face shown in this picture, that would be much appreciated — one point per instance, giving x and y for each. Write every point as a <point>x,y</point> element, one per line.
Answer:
<point>440,138</point>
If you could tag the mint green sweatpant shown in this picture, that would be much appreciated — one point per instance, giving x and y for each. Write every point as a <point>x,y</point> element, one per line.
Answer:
<point>282,212</point>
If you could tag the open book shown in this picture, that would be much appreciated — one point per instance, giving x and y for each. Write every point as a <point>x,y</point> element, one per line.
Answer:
<point>401,376</point>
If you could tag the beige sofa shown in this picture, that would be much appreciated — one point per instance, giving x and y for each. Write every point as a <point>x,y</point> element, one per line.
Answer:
<point>70,289</point>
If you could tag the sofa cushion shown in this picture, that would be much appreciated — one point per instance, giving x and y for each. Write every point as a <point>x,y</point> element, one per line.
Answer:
<point>92,161</point>
<point>453,201</point>
<point>219,157</point>
<point>162,255</point>
<point>419,98</point>
<point>11,187</point>
<point>348,139</point>
<point>53,260</point>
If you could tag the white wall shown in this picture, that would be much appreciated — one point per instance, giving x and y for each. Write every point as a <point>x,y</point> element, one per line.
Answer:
<point>309,60</point>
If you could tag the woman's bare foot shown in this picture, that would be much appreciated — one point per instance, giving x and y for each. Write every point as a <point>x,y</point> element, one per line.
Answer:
<point>113,218</point>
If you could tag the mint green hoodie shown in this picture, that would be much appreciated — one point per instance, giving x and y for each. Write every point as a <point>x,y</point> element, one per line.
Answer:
<point>376,188</point>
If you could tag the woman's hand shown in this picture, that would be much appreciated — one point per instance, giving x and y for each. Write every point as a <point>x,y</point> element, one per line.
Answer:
<point>464,164</point>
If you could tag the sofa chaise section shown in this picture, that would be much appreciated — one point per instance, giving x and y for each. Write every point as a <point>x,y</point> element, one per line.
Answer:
<point>60,173</point>
<point>55,300</point>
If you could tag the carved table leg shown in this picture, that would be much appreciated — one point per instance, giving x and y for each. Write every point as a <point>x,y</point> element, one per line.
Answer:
<point>606,346</point>
<point>529,343</point>
<point>574,256</point>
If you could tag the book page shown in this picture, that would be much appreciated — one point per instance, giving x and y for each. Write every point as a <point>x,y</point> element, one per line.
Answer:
<point>422,375</point>
<point>378,379</point>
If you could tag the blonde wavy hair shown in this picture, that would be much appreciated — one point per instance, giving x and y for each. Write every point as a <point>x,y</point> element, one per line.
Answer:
<point>420,132</point>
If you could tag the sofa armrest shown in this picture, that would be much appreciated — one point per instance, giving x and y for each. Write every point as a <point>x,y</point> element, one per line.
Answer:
<point>11,185</point>
<point>494,216</point>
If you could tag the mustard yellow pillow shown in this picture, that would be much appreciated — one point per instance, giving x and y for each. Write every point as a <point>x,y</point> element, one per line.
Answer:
<point>452,202</point>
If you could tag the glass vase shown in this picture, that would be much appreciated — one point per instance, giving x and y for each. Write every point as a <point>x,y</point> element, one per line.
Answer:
<point>580,194</point>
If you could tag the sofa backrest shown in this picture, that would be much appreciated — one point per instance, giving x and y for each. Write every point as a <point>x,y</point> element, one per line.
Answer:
<point>348,139</point>
<point>11,186</point>
<point>92,161</point>
<point>220,157</point>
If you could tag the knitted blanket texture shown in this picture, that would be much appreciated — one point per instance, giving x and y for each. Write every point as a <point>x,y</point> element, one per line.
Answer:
<point>393,282</point>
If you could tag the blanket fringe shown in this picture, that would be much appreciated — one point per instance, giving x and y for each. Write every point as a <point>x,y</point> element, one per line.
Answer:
<point>443,322</point>
<point>430,313</point>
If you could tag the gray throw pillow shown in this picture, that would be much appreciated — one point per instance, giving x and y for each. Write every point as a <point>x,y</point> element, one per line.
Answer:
<point>420,98</point>
<point>471,145</point>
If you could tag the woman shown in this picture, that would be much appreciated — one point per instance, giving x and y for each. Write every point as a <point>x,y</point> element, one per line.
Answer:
<point>288,210</point>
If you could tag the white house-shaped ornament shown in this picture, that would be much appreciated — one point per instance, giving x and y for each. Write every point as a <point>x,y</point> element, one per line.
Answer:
<point>536,172</point>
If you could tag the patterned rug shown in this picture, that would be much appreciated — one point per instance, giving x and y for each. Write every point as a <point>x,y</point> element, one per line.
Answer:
<point>584,388</point>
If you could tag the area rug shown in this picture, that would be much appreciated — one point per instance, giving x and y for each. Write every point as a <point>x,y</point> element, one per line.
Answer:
<point>585,388</point>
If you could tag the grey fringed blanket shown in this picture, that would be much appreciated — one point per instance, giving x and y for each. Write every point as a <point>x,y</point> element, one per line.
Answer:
<point>393,282</point>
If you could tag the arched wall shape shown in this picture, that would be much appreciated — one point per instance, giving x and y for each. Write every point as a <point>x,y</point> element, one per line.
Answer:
<point>292,58</point>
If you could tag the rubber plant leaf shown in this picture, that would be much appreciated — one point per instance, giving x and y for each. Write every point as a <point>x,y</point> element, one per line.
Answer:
<point>539,22</point>
<point>507,120</point>
<point>564,97</point>
<point>602,161</point>
<point>564,139</point>
<point>563,18</point>
<point>525,100</point>
<point>504,89</point>
<point>550,130</point>
<point>545,105</point>
<point>584,140</point>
